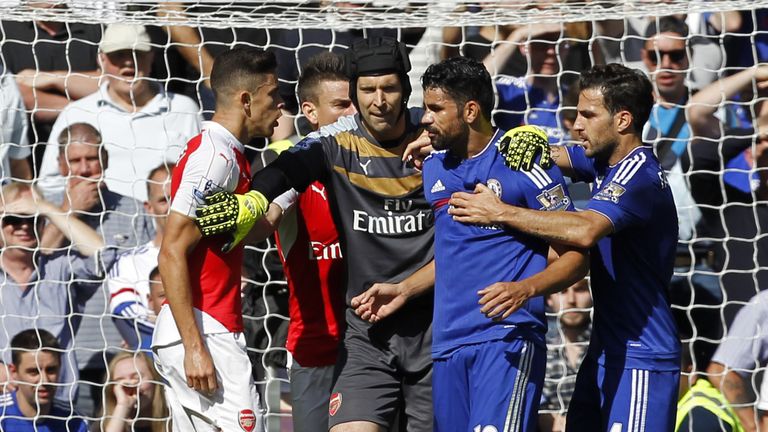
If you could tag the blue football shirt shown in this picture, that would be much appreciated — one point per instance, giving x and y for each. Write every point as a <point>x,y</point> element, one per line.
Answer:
<point>523,104</point>
<point>469,258</point>
<point>57,420</point>
<point>631,268</point>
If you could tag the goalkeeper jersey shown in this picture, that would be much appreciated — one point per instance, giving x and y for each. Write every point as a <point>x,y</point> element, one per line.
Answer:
<point>469,258</point>
<point>377,202</point>
<point>633,325</point>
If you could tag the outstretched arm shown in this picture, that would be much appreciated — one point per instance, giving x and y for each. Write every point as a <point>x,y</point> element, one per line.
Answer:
<point>227,213</point>
<point>383,299</point>
<point>577,229</point>
<point>702,106</point>
<point>188,40</point>
<point>83,238</point>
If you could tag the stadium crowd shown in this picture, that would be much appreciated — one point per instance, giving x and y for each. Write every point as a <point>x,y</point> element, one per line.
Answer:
<point>94,118</point>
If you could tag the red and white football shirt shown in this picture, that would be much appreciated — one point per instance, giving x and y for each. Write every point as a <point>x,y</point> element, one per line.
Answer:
<point>213,161</point>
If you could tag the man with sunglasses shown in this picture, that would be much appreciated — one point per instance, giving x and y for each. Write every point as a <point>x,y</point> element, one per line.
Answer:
<point>46,291</point>
<point>667,60</point>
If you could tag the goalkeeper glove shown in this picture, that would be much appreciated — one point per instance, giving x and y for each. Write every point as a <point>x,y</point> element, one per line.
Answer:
<point>225,212</point>
<point>520,145</point>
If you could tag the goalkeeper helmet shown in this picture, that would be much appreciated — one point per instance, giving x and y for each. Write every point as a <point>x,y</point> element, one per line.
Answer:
<point>376,56</point>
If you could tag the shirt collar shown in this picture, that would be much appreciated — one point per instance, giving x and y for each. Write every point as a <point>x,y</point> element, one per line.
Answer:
<point>496,136</point>
<point>220,130</point>
<point>159,104</point>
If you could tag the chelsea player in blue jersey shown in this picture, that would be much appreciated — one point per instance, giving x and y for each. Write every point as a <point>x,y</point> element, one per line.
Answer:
<point>489,363</point>
<point>629,378</point>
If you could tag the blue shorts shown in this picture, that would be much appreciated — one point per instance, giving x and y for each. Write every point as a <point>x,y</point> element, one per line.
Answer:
<point>488,387</point>
<point>622,400</point>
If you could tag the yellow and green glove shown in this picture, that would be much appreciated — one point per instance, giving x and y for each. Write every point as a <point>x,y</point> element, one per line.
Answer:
<point>227,213</point>
<point>520,145</point>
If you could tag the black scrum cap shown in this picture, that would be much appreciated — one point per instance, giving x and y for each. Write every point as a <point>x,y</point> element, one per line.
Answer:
<point>376,56</point>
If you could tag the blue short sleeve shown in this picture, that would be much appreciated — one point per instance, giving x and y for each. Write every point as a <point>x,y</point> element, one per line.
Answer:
<point>627,198</point>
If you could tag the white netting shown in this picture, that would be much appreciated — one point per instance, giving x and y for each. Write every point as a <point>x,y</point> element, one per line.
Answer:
<point>721,199</point>
<point>360,14</point>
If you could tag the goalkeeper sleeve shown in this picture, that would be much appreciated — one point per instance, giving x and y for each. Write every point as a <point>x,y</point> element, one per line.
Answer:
<point>227,213</point>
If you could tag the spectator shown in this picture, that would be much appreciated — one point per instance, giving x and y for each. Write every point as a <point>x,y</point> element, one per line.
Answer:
<point>130,279</point>
<point>742,32</point>
<point>622,41</point>
<point>741,353</point>
<point>567,340</point>
<point>665,56</point>
<point>727,178</point>
<point>36,369</point>
<point>534,99</point>
<point>83,160</point>
<point>702,408</point>
<point>142,124</point>
<point>46,292</point>
<point>156,293</point>
<point>133,397</point>
<point>499,47</point>
<point>14,145</point>
<point>54,63</point>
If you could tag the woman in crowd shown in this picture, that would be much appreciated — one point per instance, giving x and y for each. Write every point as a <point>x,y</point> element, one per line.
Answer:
<point>133,398</point>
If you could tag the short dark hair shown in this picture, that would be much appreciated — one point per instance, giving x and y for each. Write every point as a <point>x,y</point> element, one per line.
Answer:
<point>240,69</point>
<point>464,79</point>
<point>81,128</point>
<point>32,340</point>
<point>667,24</point>
<point>154,273</point>
<point>325,66</point>
<point>622,89</point>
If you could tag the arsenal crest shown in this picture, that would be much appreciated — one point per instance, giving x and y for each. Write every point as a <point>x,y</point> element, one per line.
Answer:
<point>335,404</point>
<point>247,420</point>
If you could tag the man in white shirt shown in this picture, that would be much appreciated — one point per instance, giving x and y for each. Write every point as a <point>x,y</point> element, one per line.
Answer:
<point>142,124</point>
<point>14,145</point>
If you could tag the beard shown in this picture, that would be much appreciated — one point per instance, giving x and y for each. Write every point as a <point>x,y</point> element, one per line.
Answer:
<point>454,140</point>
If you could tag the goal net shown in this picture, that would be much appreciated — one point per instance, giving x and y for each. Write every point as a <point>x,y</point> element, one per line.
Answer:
<point>710,59</point>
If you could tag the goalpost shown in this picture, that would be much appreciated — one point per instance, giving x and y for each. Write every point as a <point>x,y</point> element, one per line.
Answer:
<point>605,30</point>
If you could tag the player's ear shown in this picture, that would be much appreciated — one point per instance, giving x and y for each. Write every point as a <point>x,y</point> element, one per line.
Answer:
<point>310,112</point>
<point>623,121</point>
<point>12,371</point>
<point>244,98</point>
<point>471,112</point>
